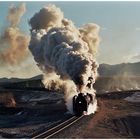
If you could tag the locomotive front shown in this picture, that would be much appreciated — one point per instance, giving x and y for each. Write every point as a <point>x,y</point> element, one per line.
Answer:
<point>82,103</point>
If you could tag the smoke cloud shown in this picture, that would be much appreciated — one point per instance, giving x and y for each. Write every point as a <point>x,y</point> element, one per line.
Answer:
<point>13,41</point>
<point>64,53</point>
<point>47,18</point>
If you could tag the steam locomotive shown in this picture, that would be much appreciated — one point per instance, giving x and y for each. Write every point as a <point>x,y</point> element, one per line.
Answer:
<point>81,103</point>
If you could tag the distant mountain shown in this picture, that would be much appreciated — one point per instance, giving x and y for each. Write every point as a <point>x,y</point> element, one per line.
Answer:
<point>10,80</point>
<point>38,77</point>
<point>4,81</point>
<point>124,69</point>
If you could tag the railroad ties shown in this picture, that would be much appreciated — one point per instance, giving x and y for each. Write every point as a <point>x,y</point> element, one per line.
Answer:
<point>58,128</point>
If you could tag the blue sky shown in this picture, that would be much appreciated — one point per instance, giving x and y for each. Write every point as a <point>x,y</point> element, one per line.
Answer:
<point>119,23</point>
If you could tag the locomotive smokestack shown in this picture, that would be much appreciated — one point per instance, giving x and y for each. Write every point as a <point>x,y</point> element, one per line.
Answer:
<point>64,53</point>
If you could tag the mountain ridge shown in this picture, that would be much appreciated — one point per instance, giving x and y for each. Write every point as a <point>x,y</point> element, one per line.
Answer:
<point>122,69</point>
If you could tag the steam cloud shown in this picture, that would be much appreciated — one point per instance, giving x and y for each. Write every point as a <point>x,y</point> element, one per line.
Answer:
<point>63,52</point>
<point>13,40</point>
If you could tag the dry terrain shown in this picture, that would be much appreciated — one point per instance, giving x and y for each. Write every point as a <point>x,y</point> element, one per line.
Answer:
<point>35,111</point>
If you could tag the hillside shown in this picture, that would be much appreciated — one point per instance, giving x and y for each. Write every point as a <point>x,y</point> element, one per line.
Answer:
<point>125,76</point>
<point>124,69</point>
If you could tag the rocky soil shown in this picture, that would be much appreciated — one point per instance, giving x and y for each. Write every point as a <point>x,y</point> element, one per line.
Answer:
<point>115,118</point>
<point>34,111</point>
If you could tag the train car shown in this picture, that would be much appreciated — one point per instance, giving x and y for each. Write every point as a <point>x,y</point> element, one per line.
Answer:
<point>81,103</point>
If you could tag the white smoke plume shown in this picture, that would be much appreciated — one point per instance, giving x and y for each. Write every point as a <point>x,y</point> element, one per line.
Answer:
<point>15,13</point>
<point>63,52</point>
<point>13,41</point>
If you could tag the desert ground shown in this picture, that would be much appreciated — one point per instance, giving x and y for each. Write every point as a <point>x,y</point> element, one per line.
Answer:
<point>25,112</point>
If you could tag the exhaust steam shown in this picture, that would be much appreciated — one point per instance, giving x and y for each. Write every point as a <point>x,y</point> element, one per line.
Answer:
<point>64,53</point>
<point>12,39</point>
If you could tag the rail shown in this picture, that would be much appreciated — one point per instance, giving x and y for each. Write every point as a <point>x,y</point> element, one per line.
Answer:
<point>56,129</point>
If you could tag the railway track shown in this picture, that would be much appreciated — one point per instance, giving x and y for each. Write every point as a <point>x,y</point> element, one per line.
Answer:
<point>58,128</point>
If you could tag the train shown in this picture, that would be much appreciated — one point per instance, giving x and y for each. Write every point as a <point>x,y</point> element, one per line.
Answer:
<point>81,103</point>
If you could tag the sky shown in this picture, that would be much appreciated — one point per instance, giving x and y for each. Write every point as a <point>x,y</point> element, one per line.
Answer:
<point>119,28</point>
